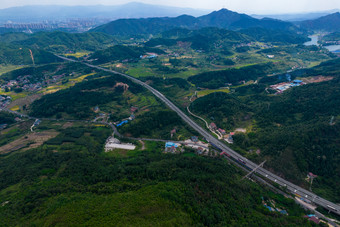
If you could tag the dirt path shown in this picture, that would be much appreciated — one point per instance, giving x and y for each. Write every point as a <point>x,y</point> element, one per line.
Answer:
<point>143,144</point>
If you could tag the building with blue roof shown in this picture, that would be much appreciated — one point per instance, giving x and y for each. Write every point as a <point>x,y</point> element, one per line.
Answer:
<point>121,123</point>
<point>170,144</point>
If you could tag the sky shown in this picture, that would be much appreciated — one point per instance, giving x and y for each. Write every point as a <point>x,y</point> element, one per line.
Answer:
<point>244,6</point>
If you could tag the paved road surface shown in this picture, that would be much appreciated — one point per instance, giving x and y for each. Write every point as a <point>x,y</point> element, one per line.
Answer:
<point>249,164</point>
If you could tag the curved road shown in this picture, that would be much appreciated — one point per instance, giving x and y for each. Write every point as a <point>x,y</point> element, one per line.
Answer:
<point>251,165</point>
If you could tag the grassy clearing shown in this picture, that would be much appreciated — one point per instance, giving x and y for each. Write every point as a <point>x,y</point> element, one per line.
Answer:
<point>81,78</point>
<point>140,72</point>
<point>207,92</point>
<point>77,54</point>
<point>8,68</point>
<point>15,108</point>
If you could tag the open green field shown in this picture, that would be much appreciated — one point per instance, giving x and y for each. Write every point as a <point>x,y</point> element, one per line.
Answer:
<point>8,68</point>
<point>77,54</point>
<point>209,91</point>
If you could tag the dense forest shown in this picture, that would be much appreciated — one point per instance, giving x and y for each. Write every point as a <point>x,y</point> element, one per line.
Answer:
<point>274,36</point>
<point>60,41</point>
<point>216,79</point>
<point>157,124</point>
<point>335,36</point>
<point>53,186</point>
<point>6,118</point>
<point>120,52</point>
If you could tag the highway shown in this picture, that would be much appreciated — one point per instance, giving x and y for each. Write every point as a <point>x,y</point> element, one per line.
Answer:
<point>249,164</point>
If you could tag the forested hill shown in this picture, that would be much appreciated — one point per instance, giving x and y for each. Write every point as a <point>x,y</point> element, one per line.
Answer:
<point>329,23</point>
<point>293,131</point>
<point>120,52</point>
<point>62,41</point>
<point>221,19</point>
<point>216,79</point>
<point>49,186</point>
<point>274,36</point>
<point>19,55</point>
<point>207,39</point>
<point>59,41</point>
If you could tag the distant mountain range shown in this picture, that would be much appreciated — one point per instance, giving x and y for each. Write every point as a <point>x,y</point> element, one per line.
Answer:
<point>38,13</point>
<point>222,19</point>
<point>329,23</point>
<point>293,17</point>
<point>143,19</point>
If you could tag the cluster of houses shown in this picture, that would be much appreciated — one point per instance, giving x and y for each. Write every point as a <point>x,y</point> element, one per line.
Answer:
<point>313,218</point>
<point>271,206</point>
<point>334,42</point>
<point>28,83</point>
<point>254,44</point>
<point>4,101</point>
<point>222,133</point>
<point>193,143</point>
<point>171,147</point>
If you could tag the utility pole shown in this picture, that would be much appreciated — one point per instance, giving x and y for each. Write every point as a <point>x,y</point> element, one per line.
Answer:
<point>261,165</point>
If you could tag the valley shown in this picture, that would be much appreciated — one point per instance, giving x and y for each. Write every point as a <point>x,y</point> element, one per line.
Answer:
<point>202,101</point>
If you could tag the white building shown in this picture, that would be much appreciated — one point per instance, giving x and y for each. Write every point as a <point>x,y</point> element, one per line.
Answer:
<point>113,143</point>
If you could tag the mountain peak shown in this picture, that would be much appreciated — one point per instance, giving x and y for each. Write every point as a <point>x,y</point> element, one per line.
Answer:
<point>222,18</point>
<point>224,10</point>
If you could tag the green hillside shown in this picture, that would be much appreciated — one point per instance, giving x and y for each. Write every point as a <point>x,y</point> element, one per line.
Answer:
<point>207,39</point>
<point>329,23</point>
<point>274,36</point>
<point>216,79</point>
<point>19,55</point>
<point>62,41</point>
<point>292,130</point>
<point>120,52</point>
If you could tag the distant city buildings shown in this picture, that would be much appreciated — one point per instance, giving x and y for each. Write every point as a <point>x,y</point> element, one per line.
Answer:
<point>76,25</point>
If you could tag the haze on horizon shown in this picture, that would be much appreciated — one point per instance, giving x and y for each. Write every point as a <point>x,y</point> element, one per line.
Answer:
<point>244,6</point>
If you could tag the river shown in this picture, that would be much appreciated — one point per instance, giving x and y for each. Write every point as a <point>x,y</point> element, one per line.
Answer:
<point>314,41</point>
